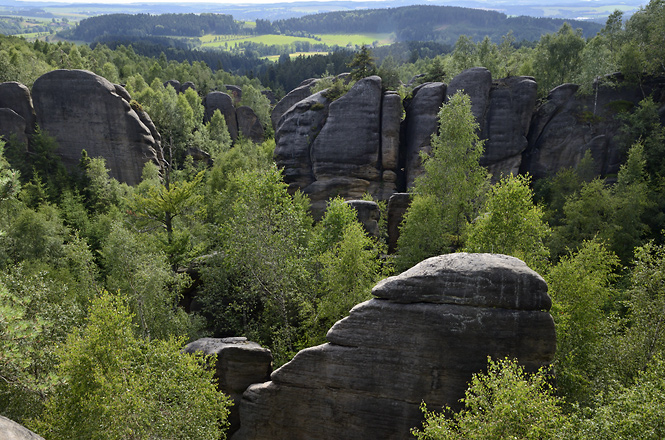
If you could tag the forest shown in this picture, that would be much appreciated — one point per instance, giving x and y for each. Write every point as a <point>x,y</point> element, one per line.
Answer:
<point>93,272</point>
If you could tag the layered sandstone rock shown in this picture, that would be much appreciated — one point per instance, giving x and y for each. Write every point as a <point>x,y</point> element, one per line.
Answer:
<point>239,364</point>
<point>569,123</point>
<point>82,110</point>
<point>249,124</point>
<point>421,339</point>
<point>224,103</point>
<point>17,114</point>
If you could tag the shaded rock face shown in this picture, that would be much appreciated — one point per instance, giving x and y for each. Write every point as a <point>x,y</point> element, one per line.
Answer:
<point>397,206</point>
<point>568,123</point>
<point>293,97</point>
<point>224,103</point>
<point>506,126</point>
<point>421,339</point>
<point>368,214</point>
<point>10,430</point>
<point>82,110</point>
<point>249,125</point>
<point>17,115</point>
<point>419,125</point>
<point>333,148</point>
<point>239,364</point>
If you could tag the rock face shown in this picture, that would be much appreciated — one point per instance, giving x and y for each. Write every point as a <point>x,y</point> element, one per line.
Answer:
<point>569,123</point>
<point>82,110</point>
<point>420,123</point>
<point>421,339</point>
<point>17,115</point>
<point>327,147</point>
<point>10,430</point>
<point>240,363</point>
<point>293,97</point>
<point>224,103</point>
<point>249,125</point>
<point>368,214</point>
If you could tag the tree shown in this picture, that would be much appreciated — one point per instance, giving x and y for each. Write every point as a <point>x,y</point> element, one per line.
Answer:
<point>504,403</point>
<point>581,289</point>
<point>119,386</point>
<point>558,57</point>
<point>447,196</point>
<point>362,64</point>
<point>511,224</point>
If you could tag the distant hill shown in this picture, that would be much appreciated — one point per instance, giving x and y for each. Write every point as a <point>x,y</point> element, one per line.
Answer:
<point>443,24</point>
<point>431,23</point>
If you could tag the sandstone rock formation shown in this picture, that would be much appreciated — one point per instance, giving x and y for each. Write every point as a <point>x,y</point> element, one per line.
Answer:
<point>421,339</point>
<point>239,364</point>
<point>82,110</point>
<point>420,123</point>
<point>249,124</point>
<point>10,430</point>
<point>569,123</point>
<point>368,214</point>
<point>224,103</point>
<point>17,115</point>
<point>294,96</point>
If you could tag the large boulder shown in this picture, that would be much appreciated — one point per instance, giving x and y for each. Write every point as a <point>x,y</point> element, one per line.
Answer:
<point>82,110</point>
<point>420,340</point>
<point>239,364</point>
<point>420,123</point>
<point>224,103</point>
<point>10,430</point>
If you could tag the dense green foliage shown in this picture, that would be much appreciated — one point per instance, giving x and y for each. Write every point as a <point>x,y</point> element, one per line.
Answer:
<point>269,272</point>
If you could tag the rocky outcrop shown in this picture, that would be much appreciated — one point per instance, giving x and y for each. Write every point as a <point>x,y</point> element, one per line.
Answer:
<point>239,364</point>
<point>368,214</point>
<point>506,126</point>
<point>293,137</point>
<point>293,97</point>
<point>82,110</point>
<point>10,430</point>
<point>224,103</point>
<point>17,115</point>
<point>397,206</point>
<point>420,123</point>
<point>568,123</point>
<point>249,124</point>
<point>422,337</point>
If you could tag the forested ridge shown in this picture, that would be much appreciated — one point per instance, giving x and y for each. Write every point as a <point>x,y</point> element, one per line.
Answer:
<point>92,271</point>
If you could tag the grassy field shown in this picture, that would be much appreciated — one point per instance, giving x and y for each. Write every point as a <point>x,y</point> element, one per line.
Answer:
<point>329,39</point>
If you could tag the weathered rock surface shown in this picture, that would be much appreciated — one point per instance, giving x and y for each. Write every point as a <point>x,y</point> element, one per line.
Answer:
<point>421,339</point>
<point>569,123</point>
<point>17,115</point>
<point>249,124</point>
<point>477,83</point>
<point>240,363</point>
<point>10,430</point>
<point>391,117</point>
<point>293,136</point>
<point>397,206</point>
<point>368,214</point>
<point>293,97</point>
<point>16,96</point>
<point>511,103</point>
<point>173,83</point>
<point>420,123</point>
<point>224,103</point>
<point>82,110</point>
